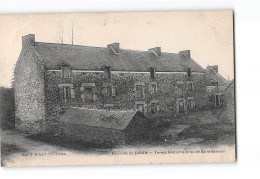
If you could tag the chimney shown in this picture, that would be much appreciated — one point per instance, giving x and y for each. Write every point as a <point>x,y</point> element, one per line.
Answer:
<point>185,52</point>
<point>28,40</point>
<point>214,67</point>
<point>114,47</point>
<point>156,51</point>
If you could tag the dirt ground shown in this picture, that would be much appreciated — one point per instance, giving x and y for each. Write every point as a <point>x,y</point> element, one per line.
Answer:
<point>200,129</point>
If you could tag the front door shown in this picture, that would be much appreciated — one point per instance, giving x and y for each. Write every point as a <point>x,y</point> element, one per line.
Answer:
<point>181,107</point>
<point>88,95</point>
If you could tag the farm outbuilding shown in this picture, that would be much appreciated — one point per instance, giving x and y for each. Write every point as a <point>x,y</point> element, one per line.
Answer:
<point>91,125</point>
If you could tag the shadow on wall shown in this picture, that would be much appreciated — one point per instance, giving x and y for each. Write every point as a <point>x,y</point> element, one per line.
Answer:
<point>7,108</point>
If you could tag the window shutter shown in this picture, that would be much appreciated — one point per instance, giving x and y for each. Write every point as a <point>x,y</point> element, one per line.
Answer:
<point>143,91</point>
<point>157,107</point>
<point>72,92</point>
<point>150,88</point>
<point>61,92</point>
<point>192,87</point>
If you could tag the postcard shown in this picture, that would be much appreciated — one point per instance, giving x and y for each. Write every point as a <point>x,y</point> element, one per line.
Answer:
<point>117,88</point>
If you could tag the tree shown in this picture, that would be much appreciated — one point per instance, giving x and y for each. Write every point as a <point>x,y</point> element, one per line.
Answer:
<point>60,33</point>
<point>73,35</point>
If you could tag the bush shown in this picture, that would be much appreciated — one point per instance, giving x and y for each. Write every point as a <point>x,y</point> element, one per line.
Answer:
<point>204,131</point>
<point>7,108</point>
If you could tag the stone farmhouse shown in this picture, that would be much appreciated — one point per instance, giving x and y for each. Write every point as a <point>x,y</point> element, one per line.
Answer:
<point>50,78</point>
<point>215,86</point>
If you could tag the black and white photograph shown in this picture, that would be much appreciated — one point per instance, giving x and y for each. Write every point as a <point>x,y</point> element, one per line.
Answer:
<point>118,88</point>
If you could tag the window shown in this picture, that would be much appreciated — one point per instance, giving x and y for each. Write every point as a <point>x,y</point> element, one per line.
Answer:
<point>153,108</point>
<point>113,91</point>
<point>189,72</point>
<point>153,88</point>
<point>191,103</point>
<point>109,90</point>
<point>65,71</point>
<point>152,73</point>
<point>66,93</point>
<point>210,89</point>
<point>139,91</point>
<point>140,107</point>
<point>107,72</point>
<point>180,90</point>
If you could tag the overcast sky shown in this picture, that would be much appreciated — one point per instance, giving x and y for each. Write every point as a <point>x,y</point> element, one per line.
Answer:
<point>208,34</point>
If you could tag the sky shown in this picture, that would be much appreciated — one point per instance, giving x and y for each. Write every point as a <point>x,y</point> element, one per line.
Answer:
<point>208,34</point>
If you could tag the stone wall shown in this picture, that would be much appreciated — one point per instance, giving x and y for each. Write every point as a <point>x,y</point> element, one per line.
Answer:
<point>125,97</point>
<point>29,91</point>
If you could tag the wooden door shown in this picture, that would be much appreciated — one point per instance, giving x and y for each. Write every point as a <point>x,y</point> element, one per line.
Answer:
<point>217,101</point>
<point>88,94</point>
<point>181,107</point>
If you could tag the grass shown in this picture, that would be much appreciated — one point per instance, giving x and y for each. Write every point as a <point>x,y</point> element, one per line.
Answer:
<point>7,108</point>
<point>208,132</point>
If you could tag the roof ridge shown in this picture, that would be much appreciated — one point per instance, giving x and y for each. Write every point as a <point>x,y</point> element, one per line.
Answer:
<point>48,43</point>
<point>70,45</point>
<point>92,58</point>
<point>218,74</point>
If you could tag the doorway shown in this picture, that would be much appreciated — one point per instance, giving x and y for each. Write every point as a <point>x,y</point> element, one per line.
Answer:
<point>181,107</point>
<point>88,94</point>
<point>217,101</point>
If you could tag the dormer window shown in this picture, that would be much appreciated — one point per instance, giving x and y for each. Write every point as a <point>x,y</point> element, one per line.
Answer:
<point>107,72</point>
<point>189,72</point>
<point>114,48</point>
<point>152,73</point>
<point>65,71</point>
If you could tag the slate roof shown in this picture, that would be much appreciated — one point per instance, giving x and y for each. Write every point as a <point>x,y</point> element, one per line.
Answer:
<point>117,120</point>
<point>211,74</point>
<point>93,58</point>
<point>230,87</point>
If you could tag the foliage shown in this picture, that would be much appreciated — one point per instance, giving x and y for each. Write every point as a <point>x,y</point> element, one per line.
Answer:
<point>7,108</point>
